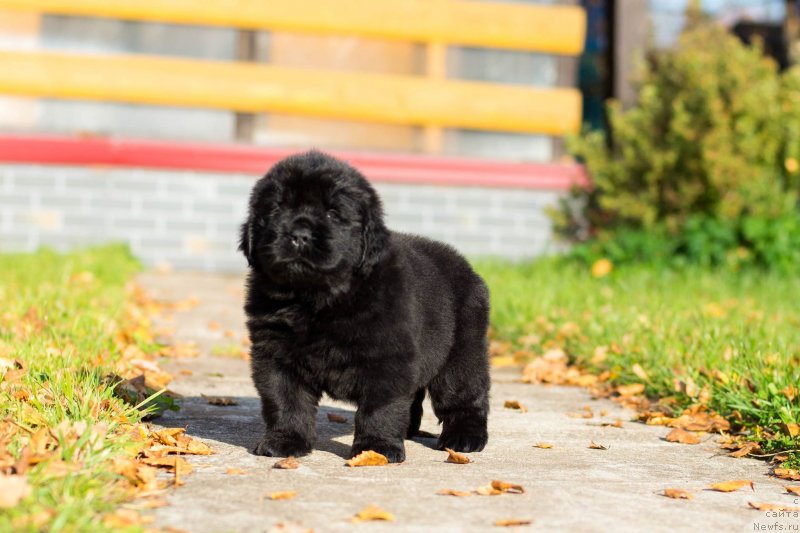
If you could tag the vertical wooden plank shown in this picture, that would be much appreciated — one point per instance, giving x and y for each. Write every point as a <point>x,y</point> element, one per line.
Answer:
<point>435,69</point>
<point>630,36</point>
<point>245,51</point>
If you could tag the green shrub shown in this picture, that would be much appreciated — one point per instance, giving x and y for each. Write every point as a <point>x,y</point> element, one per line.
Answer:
<point>704,166</point>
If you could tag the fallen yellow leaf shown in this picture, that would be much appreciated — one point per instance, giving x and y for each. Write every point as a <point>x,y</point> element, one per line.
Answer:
<point>372,512</point>
<point>511,522</point>
<point>488,490</point>
<point>602,267</point>
<point>290,463</point>
<point>640,372</point>
<point>773,507</point>
<point>514,404</point>
<point>682,436</point>
<point>235,471</point>
<point>452,492</point>
<point>733,486</point>
<point>630,390</point>
<point>502,486</point>
<point>368,458</point>
<point>793,490</point>
<point>457,458</point>
<point>543,445</point>
<point>595,446</point>
<point>678,494</point>
<point>791,474</point>
<point>287,495</point>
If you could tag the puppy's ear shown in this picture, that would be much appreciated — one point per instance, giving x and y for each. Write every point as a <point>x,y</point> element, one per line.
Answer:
<point>246,241</point>
<point>375,236</point>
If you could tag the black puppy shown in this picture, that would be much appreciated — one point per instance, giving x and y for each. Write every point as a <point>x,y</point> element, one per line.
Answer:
<point>336,303</point>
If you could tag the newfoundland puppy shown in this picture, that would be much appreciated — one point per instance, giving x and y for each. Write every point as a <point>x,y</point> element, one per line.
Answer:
<point>338,304</point>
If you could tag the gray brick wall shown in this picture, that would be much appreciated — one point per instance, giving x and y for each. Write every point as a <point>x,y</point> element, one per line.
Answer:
<point>190,220</point>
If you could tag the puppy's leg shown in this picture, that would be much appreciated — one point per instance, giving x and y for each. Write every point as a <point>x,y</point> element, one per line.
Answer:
<point>381,425</point>
<point>460,392</point>
<point>289,409</point>
<point>415,414</point>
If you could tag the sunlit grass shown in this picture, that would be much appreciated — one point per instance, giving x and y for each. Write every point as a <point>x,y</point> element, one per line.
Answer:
<point>736,335</point>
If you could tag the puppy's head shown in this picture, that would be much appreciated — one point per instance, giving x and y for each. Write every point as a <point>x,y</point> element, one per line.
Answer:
<point>313,219</point>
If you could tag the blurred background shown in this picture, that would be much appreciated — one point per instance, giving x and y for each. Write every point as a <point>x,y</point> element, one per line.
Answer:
<point>147,121</point>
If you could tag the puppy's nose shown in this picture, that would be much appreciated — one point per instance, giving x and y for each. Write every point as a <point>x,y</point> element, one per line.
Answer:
<point>300,237</point>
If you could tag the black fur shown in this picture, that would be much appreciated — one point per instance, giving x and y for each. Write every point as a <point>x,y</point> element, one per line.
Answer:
<point>338,304</point>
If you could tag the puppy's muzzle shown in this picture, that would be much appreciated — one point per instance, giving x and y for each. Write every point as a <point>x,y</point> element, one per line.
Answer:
<point>300,238</point>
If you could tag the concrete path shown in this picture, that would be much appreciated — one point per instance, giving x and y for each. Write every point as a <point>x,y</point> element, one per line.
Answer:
<point>569,487</point>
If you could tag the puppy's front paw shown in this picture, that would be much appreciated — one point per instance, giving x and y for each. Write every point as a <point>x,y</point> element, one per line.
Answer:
<point>395,452</point>
<point>463,441</point>
<point>283,446</point>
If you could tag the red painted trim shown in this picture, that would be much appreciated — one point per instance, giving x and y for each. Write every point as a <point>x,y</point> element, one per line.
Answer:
<point>97,151</point>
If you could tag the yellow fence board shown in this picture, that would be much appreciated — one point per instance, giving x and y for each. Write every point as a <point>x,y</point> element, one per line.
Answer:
<point>242,87</point>
<point>553,29</point>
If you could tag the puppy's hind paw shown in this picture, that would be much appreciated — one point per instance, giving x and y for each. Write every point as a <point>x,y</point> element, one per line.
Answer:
<point>273,447</point>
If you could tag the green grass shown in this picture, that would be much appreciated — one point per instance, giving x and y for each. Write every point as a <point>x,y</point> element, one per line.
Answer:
<point>59,315</point>
<point>735,334</point>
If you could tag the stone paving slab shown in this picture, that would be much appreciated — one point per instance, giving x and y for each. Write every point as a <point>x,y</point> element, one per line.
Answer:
<point>569,487</point>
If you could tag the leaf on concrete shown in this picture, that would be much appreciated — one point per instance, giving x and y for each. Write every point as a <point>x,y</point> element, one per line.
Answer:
<point>170,462</point>
<point>792,474</point>
<point>12,490</point>
<point>678,494</point>
<point>452,492</point>
<point>338,419</point>
<point>285,495</point>
<point>502,486</point>
<point>543,445</point>
<point>457,458</point>
<point>616,424</point>
<point>733,486</point>
<point>373,512</point>
<point>514,404</point>
<point>512,522</point>
<point>682,436</point>
<point>793,490</point>
<point>488,490</point>
<point>595,446</point>
<point>368,458</point>
<point>220,400</point>
<point>290,463</point>
<point>773,507</point>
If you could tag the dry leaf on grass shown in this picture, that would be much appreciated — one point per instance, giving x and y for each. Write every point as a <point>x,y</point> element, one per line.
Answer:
<point>286,495</point>
<point>174,440</point>
<point>543,445</point>
<point>12,490</point>
<point>170,462</point>
<point>452,492</point>
<point>630,390</point>
<point>368,458</point>
<point>733,486</point>
<point>338,419</point>
<point>221,400</point>
<point>511,522</point>
<point>595,446</point>
<point>235,472</point>
<point>457,458</point>
<point>682,436</point>
<point>290,463</point>
<point>514,404</point>
<point>793,490</point>
<point>372,512</point>
<point>502,486</point>
<point>678,494</point>
<point>773,507</point>
<point>792,474</point>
